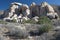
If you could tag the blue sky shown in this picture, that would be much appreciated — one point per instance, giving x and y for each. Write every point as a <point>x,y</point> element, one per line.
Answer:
<point>4,4</point>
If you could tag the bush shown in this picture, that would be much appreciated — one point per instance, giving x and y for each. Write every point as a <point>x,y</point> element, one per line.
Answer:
<point>3,22</point>
<point>14,20</point>
<point>45,28</point>
<point>41,20</point>
<point>44,20</point>
<point>29,21</point>
<point>16,32</point>
<point>46,24</point>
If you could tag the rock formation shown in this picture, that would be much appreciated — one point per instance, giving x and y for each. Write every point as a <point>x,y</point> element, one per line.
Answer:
<point>50,11</point>
<point>12,11</point>
<point>15,11</point>
<point>19,12</point>
<point>34,10</point>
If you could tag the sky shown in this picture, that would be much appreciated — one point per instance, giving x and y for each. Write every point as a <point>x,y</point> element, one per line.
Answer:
<point>4,4</point>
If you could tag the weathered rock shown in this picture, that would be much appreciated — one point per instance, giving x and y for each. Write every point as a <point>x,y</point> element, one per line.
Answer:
<point>35,18</point>
<point>19,11</point>
<point>4,38</point>
<point>52,15</point>
<point>33,4</point>
<point>15,11</point>
<point>50,11</point>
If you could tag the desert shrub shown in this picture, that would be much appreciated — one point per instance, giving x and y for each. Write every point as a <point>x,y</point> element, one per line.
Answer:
<point>44,20</point>
<point>42,29</point>
<point>46,24</point>
<point>29,21</point>
<point>3,37</point>
<point>45,28</point>
<point>3,22</point>
<point>14,20</point>
<point>16,32</point>
<point>41,20</point>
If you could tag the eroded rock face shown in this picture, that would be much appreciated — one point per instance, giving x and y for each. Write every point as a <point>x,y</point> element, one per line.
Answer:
<point>25,11</point>
<point>15,11</point>
<point>50,11</point>
<point>33,4</point>
<point>21,12</point>
<point>12,13</point>
<point>34,10</point>
<point>49,7</point>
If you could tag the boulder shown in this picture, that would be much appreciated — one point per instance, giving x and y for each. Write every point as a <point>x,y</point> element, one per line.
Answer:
<point>50,11</point>
<point>35,18</point>
<point>15,11</point>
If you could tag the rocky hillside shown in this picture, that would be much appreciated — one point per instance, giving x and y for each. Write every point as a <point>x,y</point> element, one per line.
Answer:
<point>20,12</point>
<point>34,22</point>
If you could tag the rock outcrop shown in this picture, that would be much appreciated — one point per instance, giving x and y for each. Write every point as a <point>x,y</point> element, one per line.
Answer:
<point>34,10</point>
<point>50,12</point>
<point>19,12</point>
<point>12,11</point>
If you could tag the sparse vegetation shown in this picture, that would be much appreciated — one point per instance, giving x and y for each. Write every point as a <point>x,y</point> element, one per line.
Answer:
<point>3,22</point>
<point>14,20</point>
<point>41,20</point>
<point>46,24</point>
<point>29,21</point>
<point>44,20</point>
<point>45,28</point>
<point>16,32</point>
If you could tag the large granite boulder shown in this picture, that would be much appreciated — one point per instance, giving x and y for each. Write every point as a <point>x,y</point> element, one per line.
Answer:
<point>19,12</point>
<point>15,11</point>
<point>50,12</point>
<point>34,10</point>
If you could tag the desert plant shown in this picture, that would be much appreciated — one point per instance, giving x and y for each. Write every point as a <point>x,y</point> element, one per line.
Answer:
<point>41,20</point>
<point>14,20</point>
<point>44,20</point>
<point>3,22</point>
<point>46,24</point>
<point>29,21</point>
<point>16,32</point>
<point>45,28</point>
